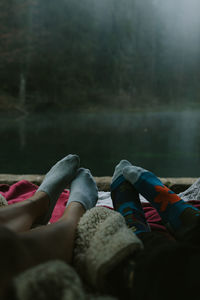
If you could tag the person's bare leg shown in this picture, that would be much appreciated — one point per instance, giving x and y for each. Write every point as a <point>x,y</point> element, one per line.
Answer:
<point>55,241</point>
<point>38,209</point>
<point>20,216</point>
<point>21,251</point>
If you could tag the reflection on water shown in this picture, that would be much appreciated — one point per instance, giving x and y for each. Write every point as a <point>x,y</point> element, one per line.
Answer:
<point>167,143</point>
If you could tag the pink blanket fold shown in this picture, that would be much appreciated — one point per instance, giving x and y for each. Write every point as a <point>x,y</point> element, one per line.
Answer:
<point>24,189</point>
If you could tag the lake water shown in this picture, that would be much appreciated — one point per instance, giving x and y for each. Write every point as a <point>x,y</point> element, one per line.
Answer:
<point>167,143</point>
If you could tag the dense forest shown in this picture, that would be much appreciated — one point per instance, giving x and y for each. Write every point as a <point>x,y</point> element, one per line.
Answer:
<point>88,54</point>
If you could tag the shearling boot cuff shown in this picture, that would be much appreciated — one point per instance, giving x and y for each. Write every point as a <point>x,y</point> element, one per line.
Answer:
<point>103,241</point>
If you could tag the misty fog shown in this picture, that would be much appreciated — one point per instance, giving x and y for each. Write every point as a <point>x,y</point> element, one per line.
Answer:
<point>137,61</point>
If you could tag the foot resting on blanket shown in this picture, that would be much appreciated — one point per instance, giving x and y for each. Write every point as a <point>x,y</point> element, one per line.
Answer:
<point>83,189</point>
<point>59,176</point>
<point>126,200</point>
<point>174,212</point>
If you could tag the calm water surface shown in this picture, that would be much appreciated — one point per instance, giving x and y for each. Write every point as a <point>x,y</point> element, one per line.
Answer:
<point>167,143</point>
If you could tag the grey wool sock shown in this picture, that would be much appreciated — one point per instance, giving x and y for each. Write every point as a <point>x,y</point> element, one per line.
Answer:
<point>59,176</point>
<point>83,189</point>
<point>119,169</point>
<point>133,173</point>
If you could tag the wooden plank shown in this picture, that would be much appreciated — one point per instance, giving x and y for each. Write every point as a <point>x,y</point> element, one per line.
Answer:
<point>103,183</point>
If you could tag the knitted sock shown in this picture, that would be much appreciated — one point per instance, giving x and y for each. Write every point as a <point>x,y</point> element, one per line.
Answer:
<point>174,212</point>
<point>59,176</point>
<point>126,201</point>
<point>83,189</point>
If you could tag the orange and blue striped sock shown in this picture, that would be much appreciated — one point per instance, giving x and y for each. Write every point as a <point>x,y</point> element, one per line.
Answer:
<point>168,204</point>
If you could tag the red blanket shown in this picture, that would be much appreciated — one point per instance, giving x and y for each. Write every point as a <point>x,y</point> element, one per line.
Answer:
<point>23,190</point>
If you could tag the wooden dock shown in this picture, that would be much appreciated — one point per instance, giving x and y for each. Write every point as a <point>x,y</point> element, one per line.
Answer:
<point>176,184</point>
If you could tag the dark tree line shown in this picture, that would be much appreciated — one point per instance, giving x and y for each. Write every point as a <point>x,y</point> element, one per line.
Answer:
<point>91,53</point>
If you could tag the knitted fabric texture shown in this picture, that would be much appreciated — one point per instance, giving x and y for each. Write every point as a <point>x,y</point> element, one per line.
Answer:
<point>192,193</point>
<point>103,241</point>
<point>52,280</point>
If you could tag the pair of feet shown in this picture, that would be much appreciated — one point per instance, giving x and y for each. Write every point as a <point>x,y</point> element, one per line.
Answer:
<point>66,172</point>
<point>128,181</point>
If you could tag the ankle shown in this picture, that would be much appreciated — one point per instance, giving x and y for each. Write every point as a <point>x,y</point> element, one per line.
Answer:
<point>39,203</point>
<point>73,210</point>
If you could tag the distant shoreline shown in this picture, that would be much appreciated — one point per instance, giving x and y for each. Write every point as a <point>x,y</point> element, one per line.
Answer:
<point>56,109</point>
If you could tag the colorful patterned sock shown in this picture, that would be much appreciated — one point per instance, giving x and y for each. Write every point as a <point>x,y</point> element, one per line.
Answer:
<point>174,212</point>
<point>126,201</point>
